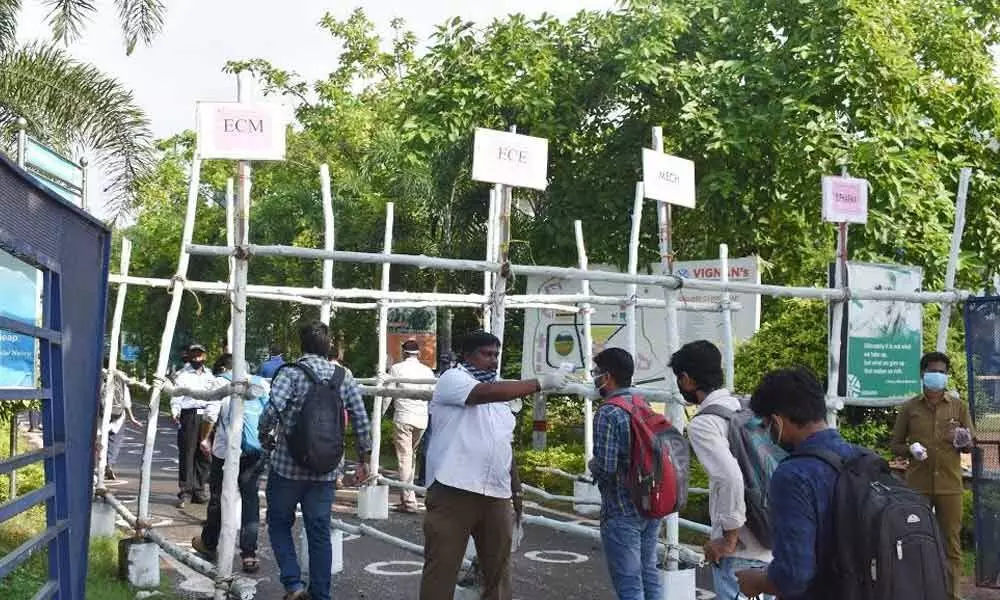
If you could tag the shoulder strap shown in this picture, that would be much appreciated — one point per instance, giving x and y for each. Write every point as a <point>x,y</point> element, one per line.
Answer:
<point>302,367</point>
<point>828,456</point>
<point>339,373</point>
<point>619,402</point>
<point>716,411</point>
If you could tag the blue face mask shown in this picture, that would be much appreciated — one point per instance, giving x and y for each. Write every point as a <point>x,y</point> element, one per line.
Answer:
<point>935,382</point>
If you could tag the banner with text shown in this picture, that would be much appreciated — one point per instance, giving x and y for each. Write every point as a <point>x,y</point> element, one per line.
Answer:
<point>19,301</point>
<point>552,338</point>
<point>884,338</point>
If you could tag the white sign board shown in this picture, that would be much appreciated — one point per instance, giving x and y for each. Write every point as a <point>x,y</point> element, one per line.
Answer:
<point>510,159</point>
<point>845,200</point>
<point>238,131</point>
<point>668,178</point>
<point>552,338</point>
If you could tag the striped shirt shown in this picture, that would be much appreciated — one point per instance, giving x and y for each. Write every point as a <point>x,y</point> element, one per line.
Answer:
<point>610,465</point>
<point>288,394</point>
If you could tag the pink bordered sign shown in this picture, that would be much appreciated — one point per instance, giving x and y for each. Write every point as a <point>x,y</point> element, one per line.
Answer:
<point>845,200</point>
<point>238,131</point>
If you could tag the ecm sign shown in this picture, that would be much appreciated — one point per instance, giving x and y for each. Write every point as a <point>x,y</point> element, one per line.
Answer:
<point>239,131</point>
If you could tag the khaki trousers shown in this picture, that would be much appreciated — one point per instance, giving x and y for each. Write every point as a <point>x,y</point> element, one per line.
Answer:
<point>948,511</point>
<point>453,515</point>
<point>406,438</point>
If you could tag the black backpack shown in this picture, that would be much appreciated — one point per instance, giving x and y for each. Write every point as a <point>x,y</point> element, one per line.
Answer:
<point>886,541</point>
<point>316,441</point>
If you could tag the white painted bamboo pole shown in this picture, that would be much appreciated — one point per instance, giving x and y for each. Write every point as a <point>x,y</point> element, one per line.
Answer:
<point>491,234</point>
<point>956,248</point>
<point>114,344</point>
<point>587,352</point>
<point>231,502</point>
<point>674,411</point>
<point>168,337</point>
<point>502,255</point>
<point>230,241</point>
<point>729,351</point>
<point>631,322</point>
<point>328,240</point>
<point>383,347</point>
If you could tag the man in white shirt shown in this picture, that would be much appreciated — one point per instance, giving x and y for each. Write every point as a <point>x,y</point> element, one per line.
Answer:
<point>410,419</point>
<point>471,475</point>
<point>698,367</point>
<point>188,413</point>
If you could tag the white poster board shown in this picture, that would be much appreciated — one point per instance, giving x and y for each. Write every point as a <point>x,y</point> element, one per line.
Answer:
<point>845,200</point>
<point>238,131</point>
<point>668,178</point>
<point>511,159</point>
<point>551,338</point>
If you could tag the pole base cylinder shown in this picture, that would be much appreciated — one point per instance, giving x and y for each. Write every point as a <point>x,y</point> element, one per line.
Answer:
<point>139,563</point>
<point>373,502</point>
<point>679,585</point>
<point>590,492</point>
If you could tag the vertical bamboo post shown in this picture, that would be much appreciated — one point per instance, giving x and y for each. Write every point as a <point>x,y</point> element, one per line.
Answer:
<point>383,346</point>
<point>956,248</point>
<point>633,269</point>
<point>230,241</point>
<point>114,343</point>
<point>326,309</point>
<point>491,256</point>
<point>587,351</point>
<point>729,352</point>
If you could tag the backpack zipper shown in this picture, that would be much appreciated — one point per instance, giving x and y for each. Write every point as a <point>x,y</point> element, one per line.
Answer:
<point>899,549</point>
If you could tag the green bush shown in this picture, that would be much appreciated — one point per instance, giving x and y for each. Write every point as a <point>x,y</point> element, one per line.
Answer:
<point>568,457</point>
<point>796,337</point>
<point>697,505</point>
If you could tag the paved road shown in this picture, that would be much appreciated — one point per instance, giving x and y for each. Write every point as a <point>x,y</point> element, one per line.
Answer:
<point>549,564</point>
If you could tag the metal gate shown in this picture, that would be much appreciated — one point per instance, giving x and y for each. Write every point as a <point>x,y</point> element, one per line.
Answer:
<point>71,250</point>
<point>982,344</point>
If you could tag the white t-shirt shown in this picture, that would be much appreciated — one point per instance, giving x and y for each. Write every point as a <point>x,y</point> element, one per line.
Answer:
<point>220,411</point>
<point>411,411</point>
<point>470,446</point>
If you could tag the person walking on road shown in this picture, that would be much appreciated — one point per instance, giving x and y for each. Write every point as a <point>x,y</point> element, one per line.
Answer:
<point>295,390</point>
<point>471,473</point>
<point>932,430</point>
<point>410,419</point>
<point>629,539</point>
<point>733,547</point>
<point>192,427</point>
<point>121,407</point>
<point>274,361</point>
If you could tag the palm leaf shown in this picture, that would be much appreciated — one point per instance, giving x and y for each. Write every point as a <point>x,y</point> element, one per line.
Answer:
<point>68,18</point>
<point>140,20</point>
<point>9,10</point>
<point>74,106</point>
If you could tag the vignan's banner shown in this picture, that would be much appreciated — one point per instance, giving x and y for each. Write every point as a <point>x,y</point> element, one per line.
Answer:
<point>551,338</point>
<point>19,301</point>
<point>884,338</point>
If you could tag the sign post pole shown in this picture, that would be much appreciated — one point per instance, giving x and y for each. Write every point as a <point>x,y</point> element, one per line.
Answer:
<point>956,248</point>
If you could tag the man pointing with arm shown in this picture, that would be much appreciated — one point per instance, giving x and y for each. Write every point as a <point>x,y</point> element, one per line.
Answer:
<point>469,465</point>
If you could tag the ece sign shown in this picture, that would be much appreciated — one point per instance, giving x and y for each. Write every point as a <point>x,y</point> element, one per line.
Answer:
<point>237,131</point>
<point>845,200</point>
<point>510,159</point>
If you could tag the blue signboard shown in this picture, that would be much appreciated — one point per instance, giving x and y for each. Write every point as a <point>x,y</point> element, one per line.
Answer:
<point>19,301</point>
<point>130,353</point>
<point>57,173</point>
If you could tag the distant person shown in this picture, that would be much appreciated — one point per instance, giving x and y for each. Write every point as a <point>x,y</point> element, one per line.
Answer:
<point>274,361</point>
<point>802,489</point>
<point>410,419</point>
<point>629,539</point>
<point>733,547</point>
<point>932,430</point>
<point>121,407</point>
<point>292,481</point>
<point>251,466</point>
<point>471,471</point>
<point>189,415</point>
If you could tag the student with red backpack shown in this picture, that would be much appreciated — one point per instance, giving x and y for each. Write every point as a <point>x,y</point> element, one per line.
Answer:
<point>640,466</point>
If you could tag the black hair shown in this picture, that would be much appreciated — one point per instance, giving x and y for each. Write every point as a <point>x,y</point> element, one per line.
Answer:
<point>794,393</point>
<point>411,346</point>
<point>702,361</point>
<point>315,338</point>
<point>222,364</point>
<point>275,349</point>
<point>475,340</point>
<point>931,357</point>
<point>618,363</point>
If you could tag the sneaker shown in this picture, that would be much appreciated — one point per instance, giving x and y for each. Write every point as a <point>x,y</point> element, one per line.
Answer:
<point>201,548</point>
<point>109,474</point>
<point>182,500</point>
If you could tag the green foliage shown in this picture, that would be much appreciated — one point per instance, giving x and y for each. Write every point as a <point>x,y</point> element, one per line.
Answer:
<point>29,478</point>
<point>568,457</point>
<point>797,336</point>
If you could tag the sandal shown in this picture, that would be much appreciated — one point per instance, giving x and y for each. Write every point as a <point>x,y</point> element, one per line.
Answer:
<point>250,564</point>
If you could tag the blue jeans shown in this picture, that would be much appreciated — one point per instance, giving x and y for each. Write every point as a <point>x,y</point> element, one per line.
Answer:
<point>316,498</point>
<point>724,577</point>
<point>630,551</point>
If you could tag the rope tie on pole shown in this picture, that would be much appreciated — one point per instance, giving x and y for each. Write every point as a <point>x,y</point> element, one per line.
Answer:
<point>178,278</point>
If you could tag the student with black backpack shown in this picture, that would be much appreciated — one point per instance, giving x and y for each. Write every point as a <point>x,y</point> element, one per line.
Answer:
<point>304,425</point>
<point>843,526</point>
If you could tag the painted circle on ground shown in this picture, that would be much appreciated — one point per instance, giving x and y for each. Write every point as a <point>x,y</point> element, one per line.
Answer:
<point>350,537</point>
<point>559,557</point>
<point>391,568</point>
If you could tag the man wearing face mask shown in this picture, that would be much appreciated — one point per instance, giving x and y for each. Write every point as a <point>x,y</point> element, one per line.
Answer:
<point>932,430</point>
<point>629,539</point>
<point>192,426</point>
<point>698,368</point>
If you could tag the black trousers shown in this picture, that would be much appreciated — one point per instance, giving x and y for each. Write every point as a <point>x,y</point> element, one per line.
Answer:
<point>193,470</point>
<point>250,472</point>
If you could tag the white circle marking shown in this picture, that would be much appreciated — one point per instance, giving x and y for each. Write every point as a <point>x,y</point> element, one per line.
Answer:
<point>379,568</point>
<point>568,558</point>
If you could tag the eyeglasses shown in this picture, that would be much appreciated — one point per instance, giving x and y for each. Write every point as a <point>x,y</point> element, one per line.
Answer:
<point>597,372</point>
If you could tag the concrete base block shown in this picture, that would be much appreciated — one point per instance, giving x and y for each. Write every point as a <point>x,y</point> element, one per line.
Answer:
<point>302,551</point>
<point>679,585</point>
<point>102,519</point>
<point>589,491</point>
<point>337,541</point>
<point>373,502</point>
<point>139,563</point>
<point>467,593</point>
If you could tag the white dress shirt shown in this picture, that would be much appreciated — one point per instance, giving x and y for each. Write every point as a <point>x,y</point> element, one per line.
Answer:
<point>411,411</point>
<point>470,446</point>
<point>726,500</point>
<point>191,379</point>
